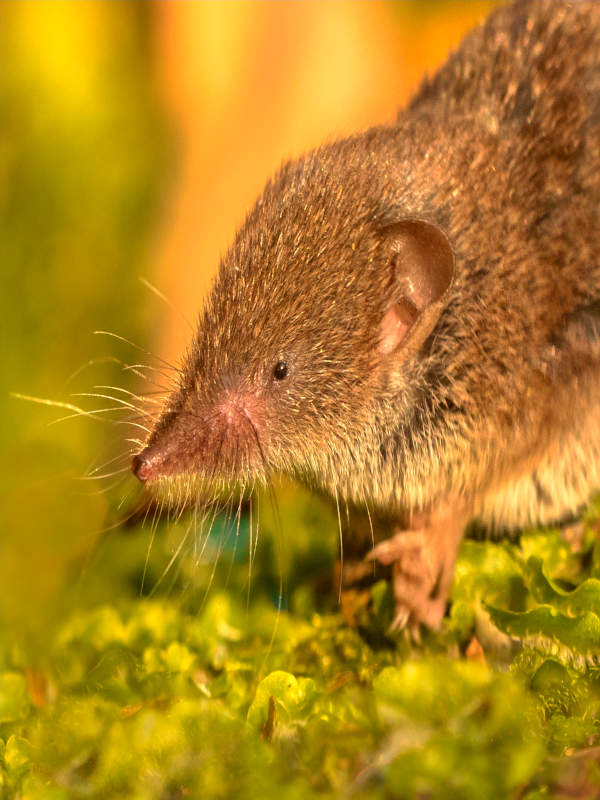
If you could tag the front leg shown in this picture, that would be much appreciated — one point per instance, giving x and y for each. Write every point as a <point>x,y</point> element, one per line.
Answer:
<point>423,560</point>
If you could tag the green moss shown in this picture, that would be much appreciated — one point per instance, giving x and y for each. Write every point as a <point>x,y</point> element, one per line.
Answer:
<point>146,698</point>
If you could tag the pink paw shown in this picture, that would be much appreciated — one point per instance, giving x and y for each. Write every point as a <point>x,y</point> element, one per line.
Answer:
<point>423,566</point>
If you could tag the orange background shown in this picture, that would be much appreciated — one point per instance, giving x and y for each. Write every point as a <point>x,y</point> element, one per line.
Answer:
<point>248,85</point>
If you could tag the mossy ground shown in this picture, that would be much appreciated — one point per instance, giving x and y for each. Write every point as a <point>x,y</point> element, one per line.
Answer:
<point>217,694</point>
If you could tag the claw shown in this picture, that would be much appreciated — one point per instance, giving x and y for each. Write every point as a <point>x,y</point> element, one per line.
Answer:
<point>400,619</point>
<point>423,562</point>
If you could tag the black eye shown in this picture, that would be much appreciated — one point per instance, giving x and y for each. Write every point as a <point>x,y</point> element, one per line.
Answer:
<point>280,371</point>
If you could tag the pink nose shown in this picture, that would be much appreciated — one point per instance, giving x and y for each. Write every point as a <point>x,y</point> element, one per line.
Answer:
<point>140,468</point>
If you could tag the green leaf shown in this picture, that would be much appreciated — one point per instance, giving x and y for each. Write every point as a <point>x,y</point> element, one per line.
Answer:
<point>548,545</point>
<point>544,626</point>
<point>486,570</point>
<point>585,597</point>
<point>457,729</point>
<point>17,755</point>
<point>174,658</point>
<point>292,698</point>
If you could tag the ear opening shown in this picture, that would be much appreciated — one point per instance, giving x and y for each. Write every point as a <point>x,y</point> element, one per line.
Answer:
<point>422,263</point>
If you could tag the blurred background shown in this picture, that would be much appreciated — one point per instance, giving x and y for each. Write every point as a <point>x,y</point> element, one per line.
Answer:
<point>134,137</point>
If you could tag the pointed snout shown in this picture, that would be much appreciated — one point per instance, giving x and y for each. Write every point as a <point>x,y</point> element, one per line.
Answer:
<point>151,463</point>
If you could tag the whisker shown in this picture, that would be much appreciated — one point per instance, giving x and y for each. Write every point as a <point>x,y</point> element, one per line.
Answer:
<point>143,398</point>
<point>172,561</point>
<point>251,552</point>
<point>53,404</point>
<point>137,347</point>
<point>337,505</point>
<point>124,403</point>
<point>278,539</point>
<point>175,572</point>
<point>166,300</point>
<point>238,515</point>
<point>147,560</point>
<point>105,489</point>
<point>123,499</point>
<point>92,362</point>
<point>257,498</point>
<point>195,550</point>
<point>207,537</point>
<point>105,475</point>
<point>188,586</point>
<point>372,534</point>
<point>115,525</point>
<point>135,368</point>
<point>132,423</point>
<point>93,470</point>
<point>215,561</point>
<point>145,518</point>
<point>93,413</point>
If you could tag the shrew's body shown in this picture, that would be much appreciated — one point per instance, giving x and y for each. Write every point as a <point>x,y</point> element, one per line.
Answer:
<point>410,317</point>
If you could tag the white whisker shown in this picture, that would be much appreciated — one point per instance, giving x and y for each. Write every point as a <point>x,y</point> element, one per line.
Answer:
<point>105,475</point>
<point>136,346</point>
<point>166,300</point>
<point>337,505</point>
<point>53,404</point>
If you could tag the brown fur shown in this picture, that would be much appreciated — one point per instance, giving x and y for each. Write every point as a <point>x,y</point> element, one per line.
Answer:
<point>497,413</point>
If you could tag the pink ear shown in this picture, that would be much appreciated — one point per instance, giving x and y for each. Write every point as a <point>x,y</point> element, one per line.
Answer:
<point>422,263</point>
<point>396,324</point>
